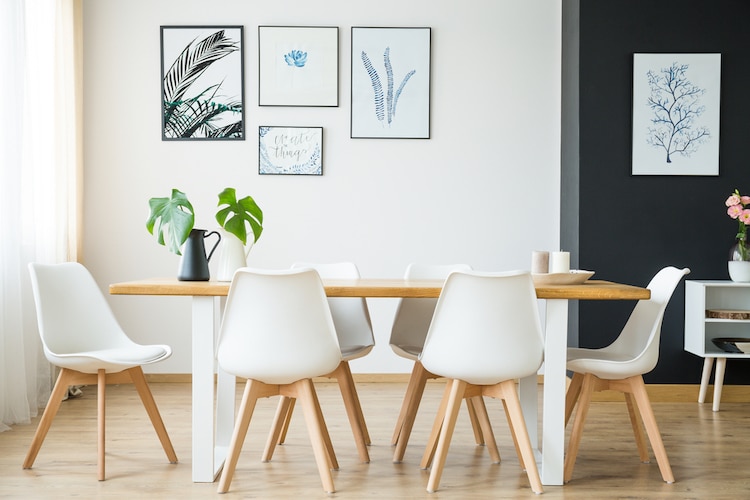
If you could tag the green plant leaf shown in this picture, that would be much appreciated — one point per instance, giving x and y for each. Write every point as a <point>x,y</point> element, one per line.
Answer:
<point>235,216</point>
<point>173,218</point>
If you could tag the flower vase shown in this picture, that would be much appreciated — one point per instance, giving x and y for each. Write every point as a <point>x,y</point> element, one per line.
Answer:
<point>739,261</point>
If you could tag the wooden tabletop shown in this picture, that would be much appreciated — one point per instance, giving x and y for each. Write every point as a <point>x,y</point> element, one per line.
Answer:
<point>388,288</point>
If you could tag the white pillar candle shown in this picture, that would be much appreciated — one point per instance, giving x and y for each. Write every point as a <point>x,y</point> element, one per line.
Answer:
<point>560,262</point>
<point>539,262</point>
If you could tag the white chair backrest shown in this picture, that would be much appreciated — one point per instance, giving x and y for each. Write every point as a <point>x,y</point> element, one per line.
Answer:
<point>486,328</point>
<point>413,316</point>
<point>639,338</point>
<point>350,315</point>
<point>277,327</point>
<point>72,314</point>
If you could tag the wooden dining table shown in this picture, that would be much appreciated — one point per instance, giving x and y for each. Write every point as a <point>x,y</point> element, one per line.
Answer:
<point>212,424</point>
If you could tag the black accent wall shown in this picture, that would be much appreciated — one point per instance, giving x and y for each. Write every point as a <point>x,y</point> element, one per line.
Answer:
<point>628,227</point>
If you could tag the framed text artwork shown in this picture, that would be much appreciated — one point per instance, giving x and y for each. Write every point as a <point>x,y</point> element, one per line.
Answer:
<point>290,150</point>
<point>390,83</point>
<point>676,114</point>
<point>298,66</point>
<point>202,77</point>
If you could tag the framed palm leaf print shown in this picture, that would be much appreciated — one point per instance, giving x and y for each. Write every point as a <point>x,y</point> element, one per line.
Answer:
<point>202,76</point>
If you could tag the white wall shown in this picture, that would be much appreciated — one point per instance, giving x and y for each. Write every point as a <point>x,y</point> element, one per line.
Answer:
<point>483,190</point>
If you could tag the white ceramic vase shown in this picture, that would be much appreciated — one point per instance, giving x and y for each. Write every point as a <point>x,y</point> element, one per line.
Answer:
<point>232,255</point>
<point>739,270</point>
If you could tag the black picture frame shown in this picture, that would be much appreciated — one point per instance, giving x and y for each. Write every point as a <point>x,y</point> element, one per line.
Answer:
<point>290,150</point>
<point>202,83</point>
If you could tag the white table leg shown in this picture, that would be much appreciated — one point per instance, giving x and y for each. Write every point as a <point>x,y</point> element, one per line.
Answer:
<point>553,414</point>
<point>205,314</point>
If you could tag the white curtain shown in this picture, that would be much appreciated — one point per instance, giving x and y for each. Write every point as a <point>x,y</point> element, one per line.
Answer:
<point>40,181</point>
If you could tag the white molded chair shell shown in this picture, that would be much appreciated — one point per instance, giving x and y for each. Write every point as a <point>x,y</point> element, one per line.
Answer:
<point>277,327</point>
<point>486,328</point>
<point>351,316</point>
<point>413,316</point>
<point>485,334</point>
<point>636,349</point>
<point>80,335</point>
<point>77,326</point>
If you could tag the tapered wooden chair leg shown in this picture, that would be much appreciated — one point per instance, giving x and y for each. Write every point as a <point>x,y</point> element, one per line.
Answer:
<point>453,404</point>
<point>147,398</point>
<point>53,405</point>
<point>649,421</point>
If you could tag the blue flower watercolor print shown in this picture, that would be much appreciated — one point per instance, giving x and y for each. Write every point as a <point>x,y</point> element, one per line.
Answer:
<point>296,58</point>
<point>385,105</point>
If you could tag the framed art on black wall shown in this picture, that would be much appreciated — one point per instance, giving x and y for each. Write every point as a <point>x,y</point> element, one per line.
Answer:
<point>676,114</point>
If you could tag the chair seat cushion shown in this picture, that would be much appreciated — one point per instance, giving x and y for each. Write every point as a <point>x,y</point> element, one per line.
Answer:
<point>110,360</point>
<point>351,352</point>
<point>407,351</point>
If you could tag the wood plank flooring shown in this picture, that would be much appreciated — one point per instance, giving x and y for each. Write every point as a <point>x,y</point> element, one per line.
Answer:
<point>709,453</point>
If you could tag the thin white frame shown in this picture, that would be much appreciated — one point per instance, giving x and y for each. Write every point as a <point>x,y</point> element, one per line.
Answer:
<point>390,72</point>
<point>298,66</point>
<point>213,92</point>
<point>290,150</point>
<point>676,100</point>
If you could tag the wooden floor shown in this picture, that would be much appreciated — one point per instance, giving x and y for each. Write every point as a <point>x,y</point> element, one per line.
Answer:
<point>709,453</point>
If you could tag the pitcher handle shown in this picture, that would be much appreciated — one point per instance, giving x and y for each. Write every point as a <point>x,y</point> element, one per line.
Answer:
<point>215,244</point>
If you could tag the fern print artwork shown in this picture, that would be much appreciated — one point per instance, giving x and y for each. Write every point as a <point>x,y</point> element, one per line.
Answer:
<point>202,88</point>
<point>385,108</point>
<point>391,83</point>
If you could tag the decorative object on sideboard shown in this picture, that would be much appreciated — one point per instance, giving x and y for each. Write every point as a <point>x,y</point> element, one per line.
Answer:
<point>173,219</point>
<point>739,254</point>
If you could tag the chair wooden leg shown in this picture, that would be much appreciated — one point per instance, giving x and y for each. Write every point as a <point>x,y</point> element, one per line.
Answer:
<point>513,434</point>
<point>409,407</point>
<point>333,463</point>
<point>141,386</point>
<point>584,399</point>
<point>640,439</point>
<point>315,427</point>
<point>453,404</point>
<point>518,426</point>
<point>484,426</point>
<point>649,420</point>
<point>101,390</point>
<point>348,390</point>
<point>571,396</point>
<point>432,440</point>
<point>474,419</point>
<point>53,405</point>
<point>283,413</point>
<point>284,425</point>
<point>253,391</point>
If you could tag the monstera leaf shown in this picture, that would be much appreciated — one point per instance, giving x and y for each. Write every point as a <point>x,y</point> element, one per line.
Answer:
<point>235,216</point>
<point>173,218</point>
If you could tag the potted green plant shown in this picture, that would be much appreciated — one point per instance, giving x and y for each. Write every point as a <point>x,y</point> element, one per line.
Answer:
<point>172,220</point>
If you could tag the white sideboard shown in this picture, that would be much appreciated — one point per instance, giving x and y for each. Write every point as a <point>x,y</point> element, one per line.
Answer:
<point>716,295</point>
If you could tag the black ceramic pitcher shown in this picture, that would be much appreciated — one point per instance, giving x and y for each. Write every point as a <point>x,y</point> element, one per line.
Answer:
<point>194,263</point>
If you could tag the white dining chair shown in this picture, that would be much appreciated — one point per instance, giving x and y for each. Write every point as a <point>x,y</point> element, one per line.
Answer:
<point>410,325</point>
<point>82,337</point>
<point>620,367</point>
<point>351,317</point>
<point>485,334</point>
<point>277,333</point>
